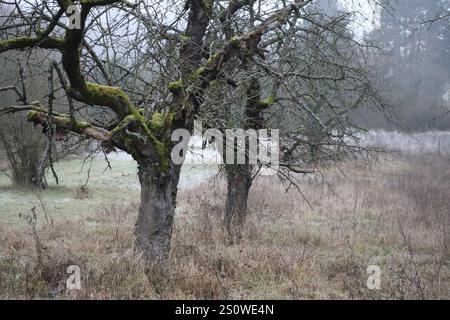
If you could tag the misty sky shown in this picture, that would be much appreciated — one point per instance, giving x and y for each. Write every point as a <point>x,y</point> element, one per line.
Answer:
<point>367,19</point>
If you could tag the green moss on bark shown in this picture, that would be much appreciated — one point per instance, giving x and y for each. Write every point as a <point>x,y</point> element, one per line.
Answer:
<point>106,95</point>
<point>194,76</point>
<point>208,5</point>
<point>29,42</point>
<point>32,114</point>
<point>125,121</point>
<point>157,121</point>
<point>212,59</point>
<point>82,125</point>
<point>176,86</point>
<point>61,120</point>
<point>270,100</point>
<point>152,129</point>
<point>161,148</point>
<point>185,38</point>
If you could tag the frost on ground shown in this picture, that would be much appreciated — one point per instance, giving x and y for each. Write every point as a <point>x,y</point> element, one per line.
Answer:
<point>413,143</point>
<point>202,164</point>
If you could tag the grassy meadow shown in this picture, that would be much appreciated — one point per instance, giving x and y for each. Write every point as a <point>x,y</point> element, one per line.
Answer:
<point>392,211</point>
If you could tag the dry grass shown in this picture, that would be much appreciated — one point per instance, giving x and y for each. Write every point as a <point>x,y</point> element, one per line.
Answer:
<point>394,213</point>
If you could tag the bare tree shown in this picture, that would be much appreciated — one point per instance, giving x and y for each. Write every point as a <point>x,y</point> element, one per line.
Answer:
<point>173,46</point>
<point>24,146</point>
<point>309,76</point>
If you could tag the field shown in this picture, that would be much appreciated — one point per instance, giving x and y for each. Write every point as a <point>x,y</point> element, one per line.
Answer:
<point>392,211</point>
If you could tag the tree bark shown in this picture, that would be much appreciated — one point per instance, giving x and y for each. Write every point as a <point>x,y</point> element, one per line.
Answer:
<point>239,176</point>
<point>154,224</point>
<point>239,181</point>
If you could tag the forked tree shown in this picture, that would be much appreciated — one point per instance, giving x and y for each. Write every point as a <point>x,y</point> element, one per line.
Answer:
<point>140,125</point>
<point>309,77</point>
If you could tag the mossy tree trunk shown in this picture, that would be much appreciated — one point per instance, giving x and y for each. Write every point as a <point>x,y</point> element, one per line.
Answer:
<point>154,224</point>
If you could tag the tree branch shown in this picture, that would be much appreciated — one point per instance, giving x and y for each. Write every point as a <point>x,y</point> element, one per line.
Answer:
<point>40,115</point>
<point>30,42</point>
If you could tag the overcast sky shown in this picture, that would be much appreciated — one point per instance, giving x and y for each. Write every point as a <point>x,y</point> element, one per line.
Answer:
<point>368,19</point>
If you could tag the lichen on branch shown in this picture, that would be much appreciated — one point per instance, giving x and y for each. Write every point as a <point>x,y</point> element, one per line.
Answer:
<point>25,42</point>
<point>64,122</point>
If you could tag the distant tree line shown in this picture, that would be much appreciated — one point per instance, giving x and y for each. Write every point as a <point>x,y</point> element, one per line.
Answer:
<point>414,71</point>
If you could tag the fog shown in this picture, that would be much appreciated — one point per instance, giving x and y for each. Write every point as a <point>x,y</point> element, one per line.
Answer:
<point>413,69</point>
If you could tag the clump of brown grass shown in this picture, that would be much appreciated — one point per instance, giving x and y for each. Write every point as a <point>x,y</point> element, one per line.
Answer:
<point>82,192</point>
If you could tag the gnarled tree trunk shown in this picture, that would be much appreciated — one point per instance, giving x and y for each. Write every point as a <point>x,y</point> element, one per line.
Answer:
<point>154,224</point>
